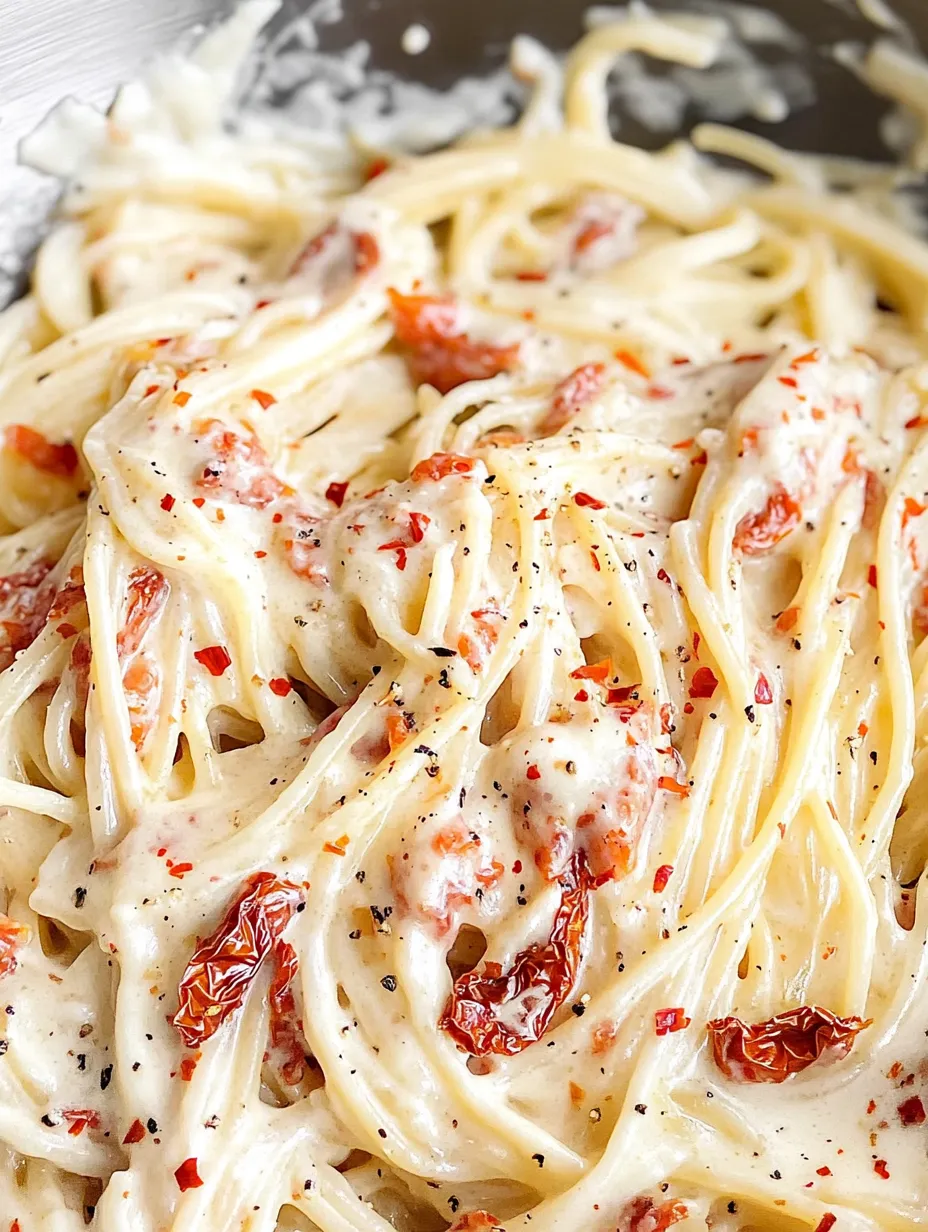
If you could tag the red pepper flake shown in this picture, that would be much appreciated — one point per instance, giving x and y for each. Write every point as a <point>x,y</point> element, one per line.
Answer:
<point>214,658</point>
<point>823,1171</point>
<point>531,276</point>
<point>543,516</point>
<point>687,444</point>
<point>666,783</point>
<point>40,452</point>
<point>881,1170</point>
<point>818,414</point>
<point>688,708</point>
<point>871,1106</point>
<point>750,358</point>
<point>916,422</point>
<point>663,576</point>
<point>862,729</point>
<point>440,466</point>
<point>871,576</point>
<point>280,685</point>
<point>199,501</point>
<point>826,1223</point>
<point>135,1133</point>
<point>152,389</point>
<point>599,672</point>
<point>80,1119</point>
<point>335,493</point>
<point>659,392</point>
<point>912,509</point>
<point>585,501</point>
<point>786,1044</point>
<point>789,381</point>
<point>763,694</point>
<point>669,1020</point>
<point>167,502</point>
<point>661,877</point>
<point>912,1111</point>
<point>700,459</point>
<point>187,1176</point>
<point>633,363</point>
<point>178,870</point>
<point>581,695</point>
<point>894,1070</point>
<point>704,682</point>
<point>595,559</point>
<point>533,773</point>
<point>182,397</point>
<point>418,522</point>
<point>787,619</point>
<point>332,849</point>
<point>263,398</point>
<point>188,1067</point>
<point>399,547</point>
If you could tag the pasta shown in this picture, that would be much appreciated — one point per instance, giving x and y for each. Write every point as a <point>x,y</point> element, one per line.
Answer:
<point>465,685</point>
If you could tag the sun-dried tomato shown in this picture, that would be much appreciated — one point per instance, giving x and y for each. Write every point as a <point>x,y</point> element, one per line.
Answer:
<point>40,452</point>
<point>643,1214</point>
<point>478,1015</point>
<point>12,935</point>
<point>222,967</point>
<point>357,248</point>
<point>438,352</point>
<point>187,1176</point>
<point>758,533</point>
<point>576,390</point>
<point>237,467</point>
<point>786,1044</point>
<point>286,1037</point>
<point>147,594</point>
<point>25,602</point>
<point>704,682</point>
<point>214,658</point>
<point>440,465</point>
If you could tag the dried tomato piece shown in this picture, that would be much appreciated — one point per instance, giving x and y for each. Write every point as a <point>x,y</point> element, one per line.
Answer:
<point>438,352</point>
<point>576,390</point>
<point>12,935</point>
<point>238,467</point>
<point>147,595</point>
<point>786,1044</point>
<point>350,253</point>
<point>285,1032</point>
<point>222,967</point>
<point>478,1015</point>
<point>40,452</point>
<point>758,533</point>
<point>643,1214</point>
<point>25,601</point>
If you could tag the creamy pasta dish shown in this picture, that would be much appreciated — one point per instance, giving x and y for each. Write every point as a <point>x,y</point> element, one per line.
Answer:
<point>464,693</point>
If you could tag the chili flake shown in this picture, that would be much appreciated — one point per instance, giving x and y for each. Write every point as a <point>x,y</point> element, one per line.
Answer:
<point>187,1176</point>
<point>214,658</point>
